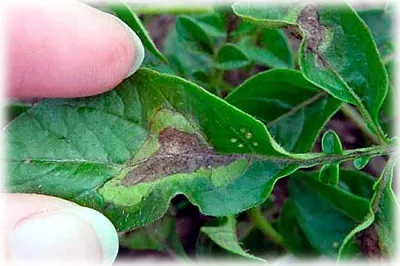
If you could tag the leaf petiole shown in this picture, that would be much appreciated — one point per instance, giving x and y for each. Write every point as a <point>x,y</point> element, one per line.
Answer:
<point>265,226</point>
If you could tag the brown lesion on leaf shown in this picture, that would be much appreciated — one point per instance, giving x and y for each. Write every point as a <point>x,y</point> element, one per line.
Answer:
<point>309,21</point>
<point>180,152</point>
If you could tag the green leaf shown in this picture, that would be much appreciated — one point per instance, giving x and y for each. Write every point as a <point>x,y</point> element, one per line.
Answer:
<point>267,15</point>
<point>125,13</point>
<point>325,213</point>
<point>14,109</point>
<point>159,136</point>
<point>329,174</point>
<point>213,24</point>
<point>254,241</point>
<point>349,204</point>
<point>172,9</point>
<point>382,208</point>
<point>328,57</point>
<point>388,113</point>
<point>224,235</point>
<point>160,236</point>
<point>293,236</point>
<point>380,23</point>
<point>187,61</point>
<point>244,28</point>
<point>331,143</point>
<point>193,35</point>
<point>281,98</point>
<point>271,48</point>
<point>361,162</point>
<point>230,57</point>
<point>357,182</point>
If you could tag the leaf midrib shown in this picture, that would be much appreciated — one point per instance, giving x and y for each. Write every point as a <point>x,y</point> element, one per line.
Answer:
<point>297,107</point>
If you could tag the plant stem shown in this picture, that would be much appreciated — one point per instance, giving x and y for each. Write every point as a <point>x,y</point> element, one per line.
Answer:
<point>301,159</point>
<point>356,118</point>
<point>265,226</point>
<point>386,177</point>
<point>216,80</point>
<point>370,122</point>
<point>312,159</point>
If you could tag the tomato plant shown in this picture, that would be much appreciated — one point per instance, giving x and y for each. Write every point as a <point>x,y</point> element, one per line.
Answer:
<point>182,125</point>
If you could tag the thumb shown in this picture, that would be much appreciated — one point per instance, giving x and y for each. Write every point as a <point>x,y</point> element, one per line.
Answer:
<point>44,229</point>
<point>67,49</point>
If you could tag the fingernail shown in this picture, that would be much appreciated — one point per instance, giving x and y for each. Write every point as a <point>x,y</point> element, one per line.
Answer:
<point>139,49</point>
<point>75,234</point>
<point>104,229</point>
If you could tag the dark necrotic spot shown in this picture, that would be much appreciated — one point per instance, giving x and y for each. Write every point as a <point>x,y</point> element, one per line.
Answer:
<point>180,152</point>
<point>309,22</point>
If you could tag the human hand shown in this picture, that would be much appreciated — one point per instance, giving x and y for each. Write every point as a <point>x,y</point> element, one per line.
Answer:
<point>62,49</point>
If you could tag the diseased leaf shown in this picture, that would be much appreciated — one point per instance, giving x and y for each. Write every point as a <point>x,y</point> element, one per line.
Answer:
<point>337,53</point>
<point>271,48</point>
<point>381,216</point>
<point>224,235</point>
<point>125,13</point>
<point>325,213</point>
<point>159,136</point>
<point>230,57</point>
<point>281,98</point>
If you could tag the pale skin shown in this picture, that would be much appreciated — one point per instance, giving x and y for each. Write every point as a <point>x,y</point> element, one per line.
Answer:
<point>62,50</point>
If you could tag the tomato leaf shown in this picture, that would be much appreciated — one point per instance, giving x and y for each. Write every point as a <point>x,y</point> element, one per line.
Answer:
<point>383,205</point>
<point>159,136</point>
<point>224,235</point>
<point>125,13</point>
<point>327,56</point>
<point>329,174</point>
<point>193,35</point>
<point>361,162</point>
<point>230,57</point>
<point>271,49</point>
<point>331,143</point>
<point>318,204</point>
<point>281,98</point>
<point>160,236</point>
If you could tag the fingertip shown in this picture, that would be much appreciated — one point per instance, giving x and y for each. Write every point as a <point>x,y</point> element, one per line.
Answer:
<point>67,50</point>
<point>139,51</point>
<point>43,229</point>
<point>104,229</point>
